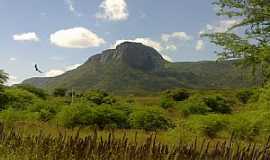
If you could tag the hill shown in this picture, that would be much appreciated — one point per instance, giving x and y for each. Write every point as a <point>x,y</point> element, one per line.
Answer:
<point>136,68</point>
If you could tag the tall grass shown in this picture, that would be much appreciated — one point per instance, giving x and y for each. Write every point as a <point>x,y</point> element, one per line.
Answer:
<point>15,145</point>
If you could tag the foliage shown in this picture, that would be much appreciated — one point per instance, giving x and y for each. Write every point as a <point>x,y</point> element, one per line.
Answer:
<point>150,120</point>
<point>109,117</point>
<point>99,97</point>
<point>218,104</point>
<point>254,46</point>
<point>245,95</point>
<point>166,103</point>
<point>60,92</point>
<point>212,125</point>
<point>195,106</point>
<point>18,98</point>
<point>177,94</point>
<point>37,91</point>
<point>3,77</point>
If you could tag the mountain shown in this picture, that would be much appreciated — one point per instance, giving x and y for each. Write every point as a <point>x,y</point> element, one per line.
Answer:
<point>136,68</point>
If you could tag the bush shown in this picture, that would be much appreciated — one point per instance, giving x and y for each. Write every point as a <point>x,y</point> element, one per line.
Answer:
<point>196,106</point>
<point>218,104</point>
<point>177,95</point>
<point>244,96</point>
<point>19,98</point>
<point>246,126</point>
<point>46,109</point>
<point>60,92</point>
<point>149,120</point>
<point>36,91</point>
<point>212,126</point>
<point>108,117</point>
<point>84,115</point>
<point>166,103</point>
<point>76,115</point>
<point>99,97</point>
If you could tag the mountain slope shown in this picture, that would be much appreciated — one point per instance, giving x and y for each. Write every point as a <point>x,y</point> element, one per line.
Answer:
<point>135,68</point>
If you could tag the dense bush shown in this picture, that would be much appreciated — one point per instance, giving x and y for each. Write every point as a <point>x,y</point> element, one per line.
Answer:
<point>195,106</point>
<point>244,96</point>
<point>109,117</point>
<point>177,94</point>
<point>76,115</point>
<point>19,98</point>
<point>84,115</point>
<point>60,92</point>
<point>218,104</point>
<point>36,91</point>
<point>166,103</point>
<point>212,126</point>
<point>47,109</point>
<point>99,97</point>
<point>150,120</point>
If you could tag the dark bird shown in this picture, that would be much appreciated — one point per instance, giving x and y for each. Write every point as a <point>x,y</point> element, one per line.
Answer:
<point>37,69</point>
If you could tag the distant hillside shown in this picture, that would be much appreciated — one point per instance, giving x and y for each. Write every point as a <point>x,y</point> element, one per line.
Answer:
<point>135,68</point>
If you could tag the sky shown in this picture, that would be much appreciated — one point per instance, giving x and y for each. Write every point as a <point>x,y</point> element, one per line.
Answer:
<point>60,35</point>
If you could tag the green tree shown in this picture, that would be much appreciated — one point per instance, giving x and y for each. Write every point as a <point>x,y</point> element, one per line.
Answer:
<point>253,47</point>
<point>60,92</point>
<point>3,77</point>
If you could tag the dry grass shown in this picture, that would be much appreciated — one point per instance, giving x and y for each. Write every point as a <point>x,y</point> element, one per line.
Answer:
<point>64,146</point>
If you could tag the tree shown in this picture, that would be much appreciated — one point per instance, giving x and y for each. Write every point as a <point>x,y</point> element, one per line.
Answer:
<point>252,47</point>
<point>60,92</point>
<point>3,77</point>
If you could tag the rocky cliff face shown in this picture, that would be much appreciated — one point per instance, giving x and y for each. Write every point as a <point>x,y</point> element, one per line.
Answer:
<point>135,55</point>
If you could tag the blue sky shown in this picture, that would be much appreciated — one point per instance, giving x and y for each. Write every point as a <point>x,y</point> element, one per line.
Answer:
<point>61,34</point>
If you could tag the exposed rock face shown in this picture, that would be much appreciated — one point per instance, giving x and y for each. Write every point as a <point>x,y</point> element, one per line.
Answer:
<point>135,55</point>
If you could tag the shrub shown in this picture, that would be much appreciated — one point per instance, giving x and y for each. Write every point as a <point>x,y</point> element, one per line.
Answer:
<point>84,115</point>
<point>195,107</point>
<point>107,116</point>
<point>3,100</point>
<point>218,104</point>
<point>19,98</point>
<point>211,127</point>
<point>244,96</point>
<point>76,115</point>
<point>46,109</point>
<point>166,103</point>
<point>149,120</point>
<point>36,91</point>
<point>177,95</point>
<point>60,92</point>
<point>246,126</point>
<point>99,97</point>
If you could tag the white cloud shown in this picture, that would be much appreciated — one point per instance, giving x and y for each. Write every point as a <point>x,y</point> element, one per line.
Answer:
<point>220,27</point>
<point>200,45</point>
<point>12,59</point>
<point>58,72</point>
<point>12,80</point>
<point>72,67</point>
<point>175,36</point>
<point>113,10</point>
<point>54,73</point>
<point>31,36</point>
<point>78,37</point>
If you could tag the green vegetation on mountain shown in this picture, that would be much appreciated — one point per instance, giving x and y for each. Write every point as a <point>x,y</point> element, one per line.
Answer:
<point>137,69</point>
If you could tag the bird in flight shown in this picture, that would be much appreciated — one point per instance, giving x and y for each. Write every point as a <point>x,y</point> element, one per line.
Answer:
<point>37,69</point>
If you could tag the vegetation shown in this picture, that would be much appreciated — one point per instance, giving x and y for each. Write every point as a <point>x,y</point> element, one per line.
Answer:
<point>15,145</point>
<point>193,121</point>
